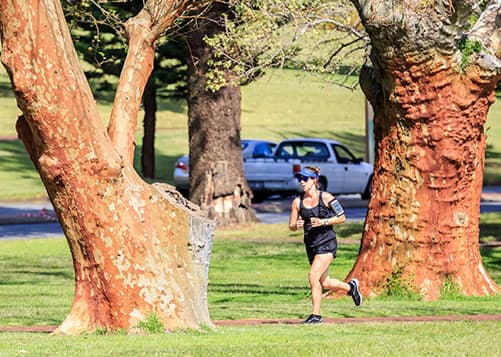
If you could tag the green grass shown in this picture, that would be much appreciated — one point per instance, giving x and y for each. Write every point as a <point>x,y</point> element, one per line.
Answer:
<point>256,271</point>
<point>280,105</point>
<point>395,339</point>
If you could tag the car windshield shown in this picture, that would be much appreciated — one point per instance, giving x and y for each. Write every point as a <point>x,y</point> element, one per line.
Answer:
<point>304,150</point>
<point>343,155</point>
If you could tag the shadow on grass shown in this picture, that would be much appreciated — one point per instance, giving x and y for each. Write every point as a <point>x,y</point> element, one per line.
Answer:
<point>34,277</point>
<point>492,172</point>
<point>489,230</point>
<point>491,257</point>
<point>349,229</point>
<point>490,153</point>
<point>6,89</point>
<point>14,158</point>
<point>254,289</point>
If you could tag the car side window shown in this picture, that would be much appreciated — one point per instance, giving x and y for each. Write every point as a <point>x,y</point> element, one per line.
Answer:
<point>343,156</point>
<point>262,150</point>
<point>312,151</point>
<point>286,151</point>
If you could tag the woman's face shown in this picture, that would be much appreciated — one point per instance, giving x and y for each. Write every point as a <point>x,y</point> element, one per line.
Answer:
<point>306,182</point>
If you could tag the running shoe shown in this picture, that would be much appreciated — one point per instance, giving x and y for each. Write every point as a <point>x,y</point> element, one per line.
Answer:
<point>355,292</point>
<point>313,319</point>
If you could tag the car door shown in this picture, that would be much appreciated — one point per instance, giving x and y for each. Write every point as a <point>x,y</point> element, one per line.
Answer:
<point>353,173</point>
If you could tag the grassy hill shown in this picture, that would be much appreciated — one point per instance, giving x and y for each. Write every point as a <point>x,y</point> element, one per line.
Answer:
<point>280,105</point>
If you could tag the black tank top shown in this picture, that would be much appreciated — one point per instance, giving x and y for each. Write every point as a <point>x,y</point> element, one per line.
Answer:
<point>315,236</point>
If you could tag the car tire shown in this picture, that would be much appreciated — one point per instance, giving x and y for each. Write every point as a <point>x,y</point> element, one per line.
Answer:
<point>368,190</point>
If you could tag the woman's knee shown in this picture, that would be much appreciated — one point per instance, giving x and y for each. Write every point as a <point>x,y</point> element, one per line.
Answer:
<point>314,277</point>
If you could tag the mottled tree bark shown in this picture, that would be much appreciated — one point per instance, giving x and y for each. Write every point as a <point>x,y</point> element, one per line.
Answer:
<point>430,102</point>
<point>137,249</point>
<point>217,181</point>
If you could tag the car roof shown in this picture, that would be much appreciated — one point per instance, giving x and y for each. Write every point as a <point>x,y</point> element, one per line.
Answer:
<point>258,140</point>
<point>316,140</point>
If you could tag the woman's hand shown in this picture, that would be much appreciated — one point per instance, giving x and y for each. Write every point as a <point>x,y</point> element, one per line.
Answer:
<point>299,223</point>
<point>317,222</point>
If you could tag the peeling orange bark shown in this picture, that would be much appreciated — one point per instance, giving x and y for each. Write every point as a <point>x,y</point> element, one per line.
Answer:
<point>423,216</point>
<point>137,248</point>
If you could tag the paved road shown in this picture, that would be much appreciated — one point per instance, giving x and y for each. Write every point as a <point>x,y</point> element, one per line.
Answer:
<point>277,210</point>
<point>28,220</point>
<point>37,220</point>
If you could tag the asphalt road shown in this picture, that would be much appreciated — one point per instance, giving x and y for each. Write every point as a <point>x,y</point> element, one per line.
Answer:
<point>37,220</point>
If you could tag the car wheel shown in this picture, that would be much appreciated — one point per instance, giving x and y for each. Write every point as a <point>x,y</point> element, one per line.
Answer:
<point>368,190</point>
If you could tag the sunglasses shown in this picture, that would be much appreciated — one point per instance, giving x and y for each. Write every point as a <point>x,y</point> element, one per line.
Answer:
<point>302,179</point>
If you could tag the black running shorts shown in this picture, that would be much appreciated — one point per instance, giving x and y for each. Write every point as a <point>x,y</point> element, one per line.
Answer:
<point>327,247</point>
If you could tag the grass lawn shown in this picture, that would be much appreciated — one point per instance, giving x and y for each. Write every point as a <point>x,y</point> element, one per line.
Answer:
<point>257,271</point>
<point>395,339</point>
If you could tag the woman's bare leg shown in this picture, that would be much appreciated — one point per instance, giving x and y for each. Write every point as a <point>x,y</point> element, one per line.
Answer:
<point>331,284</point>
<point>318,269</point>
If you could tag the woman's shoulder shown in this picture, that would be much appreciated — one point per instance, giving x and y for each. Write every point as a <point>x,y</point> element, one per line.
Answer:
<point>327,197</point>
<point>296,200</point>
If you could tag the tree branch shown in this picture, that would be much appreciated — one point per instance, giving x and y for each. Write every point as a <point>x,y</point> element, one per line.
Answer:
<point>487,24</point>
<point>487,31</point>
<point>143,30</point>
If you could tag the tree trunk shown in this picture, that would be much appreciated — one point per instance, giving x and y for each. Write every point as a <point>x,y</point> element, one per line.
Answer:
<point>217,181</point>
<point>148,147</point>
<point>137,249</point>
<point>422,226</point>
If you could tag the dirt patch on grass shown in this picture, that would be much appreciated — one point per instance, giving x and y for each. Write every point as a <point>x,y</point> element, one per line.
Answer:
<point>338,320</point>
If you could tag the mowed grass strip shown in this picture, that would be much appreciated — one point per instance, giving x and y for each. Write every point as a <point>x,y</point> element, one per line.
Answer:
<point>371,339</point>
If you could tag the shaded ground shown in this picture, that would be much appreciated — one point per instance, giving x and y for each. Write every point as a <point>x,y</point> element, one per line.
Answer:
<point>340,320</point>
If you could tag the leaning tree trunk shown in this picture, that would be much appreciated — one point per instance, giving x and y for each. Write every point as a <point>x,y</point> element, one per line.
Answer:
<point>430,108</point>
<point>217,181</point>
<point>136,250</point>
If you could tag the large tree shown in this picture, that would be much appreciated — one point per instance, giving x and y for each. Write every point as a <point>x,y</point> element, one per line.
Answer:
<point>217,181</point>
<point>431,78</point>
<point>431,83</point>
<point>137,251</point>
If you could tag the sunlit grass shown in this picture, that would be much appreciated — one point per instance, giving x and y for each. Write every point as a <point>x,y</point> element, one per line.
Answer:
<point>371,339</point>
<point>251,275</point>
<point>256,271</point>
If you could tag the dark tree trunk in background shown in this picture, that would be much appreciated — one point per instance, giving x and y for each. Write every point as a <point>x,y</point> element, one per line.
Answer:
<point>148,147</point>
<point>217,181</point>
<point>430,108</point>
